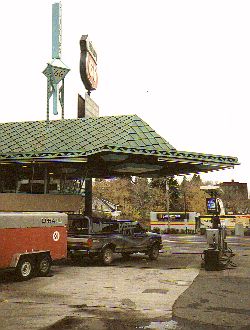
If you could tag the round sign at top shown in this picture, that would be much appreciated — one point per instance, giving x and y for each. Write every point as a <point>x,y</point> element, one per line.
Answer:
<point>88,64</point>
<point>91,71</point>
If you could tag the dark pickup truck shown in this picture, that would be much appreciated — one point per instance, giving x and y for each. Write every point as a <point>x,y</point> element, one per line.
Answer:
<point>102,238</point>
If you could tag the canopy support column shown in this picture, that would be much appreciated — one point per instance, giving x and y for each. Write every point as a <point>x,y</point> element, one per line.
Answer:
<point>88,197</point>
<point>46,179</point>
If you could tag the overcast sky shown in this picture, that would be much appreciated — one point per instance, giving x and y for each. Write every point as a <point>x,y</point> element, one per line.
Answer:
<point>182,66</point>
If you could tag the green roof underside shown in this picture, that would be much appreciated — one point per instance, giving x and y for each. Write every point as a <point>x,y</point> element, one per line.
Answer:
<point>105,139</point>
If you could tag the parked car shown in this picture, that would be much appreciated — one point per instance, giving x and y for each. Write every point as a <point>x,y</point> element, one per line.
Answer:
<point>90,237</point>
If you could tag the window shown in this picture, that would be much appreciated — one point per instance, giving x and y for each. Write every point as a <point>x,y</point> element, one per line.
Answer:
<point>108,228</point>
<point>78,226</point>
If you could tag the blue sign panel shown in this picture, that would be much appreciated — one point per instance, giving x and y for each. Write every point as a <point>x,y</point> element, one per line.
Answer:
<point>211,205</point>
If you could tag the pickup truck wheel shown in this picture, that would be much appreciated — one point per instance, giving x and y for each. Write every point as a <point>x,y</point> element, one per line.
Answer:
<point>43,266</point>
<point>107,256</point>
<point>154,252</point>
<point>25,268</point>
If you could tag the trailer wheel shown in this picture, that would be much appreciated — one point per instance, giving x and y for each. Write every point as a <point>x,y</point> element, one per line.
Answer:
<point>25,268</point>
<point>43,265</point>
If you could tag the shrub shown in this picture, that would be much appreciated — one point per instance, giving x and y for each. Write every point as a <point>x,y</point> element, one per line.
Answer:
<point>164,231</point>
<point>156,230</point>
<point>247,232</point>
<point>203,231</point>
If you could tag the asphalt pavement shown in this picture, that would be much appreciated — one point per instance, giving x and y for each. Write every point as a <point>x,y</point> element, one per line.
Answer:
<point>174,292</point>
<point>217,299</point>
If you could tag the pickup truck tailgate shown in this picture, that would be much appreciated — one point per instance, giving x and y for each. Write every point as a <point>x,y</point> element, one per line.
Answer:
<point>78,242</point>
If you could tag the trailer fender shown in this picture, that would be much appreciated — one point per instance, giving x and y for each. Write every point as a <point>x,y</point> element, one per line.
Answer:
<point>15,260</point>
<point>16,257</point>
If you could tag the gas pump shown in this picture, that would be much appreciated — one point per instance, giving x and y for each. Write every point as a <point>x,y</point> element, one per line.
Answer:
<point>218,255</point>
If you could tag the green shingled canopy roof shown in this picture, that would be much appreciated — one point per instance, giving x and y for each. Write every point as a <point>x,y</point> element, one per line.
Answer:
<point>105,140</point>
<point>86,136</point>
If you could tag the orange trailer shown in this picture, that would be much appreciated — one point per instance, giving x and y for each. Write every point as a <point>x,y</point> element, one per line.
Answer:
<point>30,241</point>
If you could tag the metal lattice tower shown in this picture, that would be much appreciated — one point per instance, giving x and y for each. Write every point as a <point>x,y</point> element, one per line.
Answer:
<point>56,70</point>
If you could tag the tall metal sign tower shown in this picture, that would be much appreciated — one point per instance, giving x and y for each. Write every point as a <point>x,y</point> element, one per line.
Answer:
<point>56,70</point>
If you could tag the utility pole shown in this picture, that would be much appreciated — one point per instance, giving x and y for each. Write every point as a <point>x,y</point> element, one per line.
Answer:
<point>168,203</point>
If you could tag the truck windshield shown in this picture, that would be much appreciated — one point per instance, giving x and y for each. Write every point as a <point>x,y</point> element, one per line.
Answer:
<point>79,226</point>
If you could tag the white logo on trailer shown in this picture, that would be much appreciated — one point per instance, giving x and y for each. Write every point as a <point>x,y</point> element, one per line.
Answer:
<point>56,236</point>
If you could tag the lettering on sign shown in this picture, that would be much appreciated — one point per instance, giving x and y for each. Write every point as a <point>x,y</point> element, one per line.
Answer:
<point>51,220</point>
<point>91,71</point>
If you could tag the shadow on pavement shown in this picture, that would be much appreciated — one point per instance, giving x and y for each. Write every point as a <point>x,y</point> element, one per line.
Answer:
<point>165,261</point>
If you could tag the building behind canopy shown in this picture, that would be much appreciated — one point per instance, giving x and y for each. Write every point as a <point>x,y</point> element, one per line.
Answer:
<point>57,157</point>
